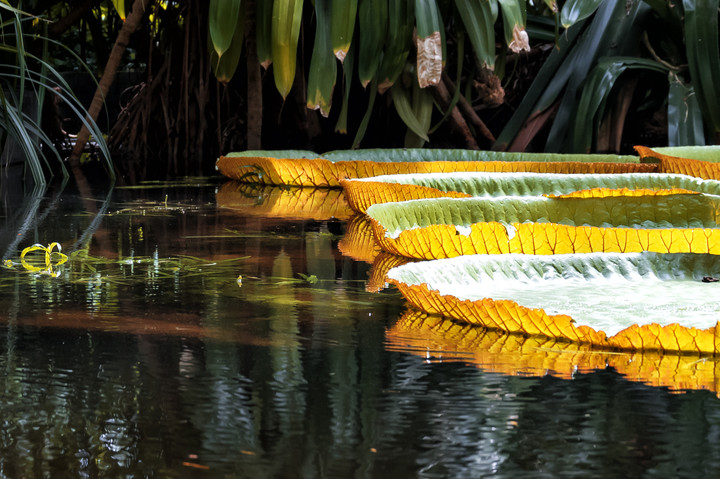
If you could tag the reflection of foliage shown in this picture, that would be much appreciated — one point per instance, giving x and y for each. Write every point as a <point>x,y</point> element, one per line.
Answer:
<point>29,82</point>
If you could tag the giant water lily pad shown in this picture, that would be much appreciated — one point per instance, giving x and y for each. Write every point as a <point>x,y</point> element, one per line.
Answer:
<point>364,192</point>
<point>441,339</point>
<point>700,161</point>
<point>304,168</point>
<point>635,301</point>
<point>447,227</point>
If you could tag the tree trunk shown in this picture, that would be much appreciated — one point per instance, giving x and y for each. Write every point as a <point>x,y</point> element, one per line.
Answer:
<point>131,24</point>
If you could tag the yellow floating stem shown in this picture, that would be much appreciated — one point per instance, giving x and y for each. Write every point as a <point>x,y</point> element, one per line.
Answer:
<point>49,256</point>
<point>417,333</point>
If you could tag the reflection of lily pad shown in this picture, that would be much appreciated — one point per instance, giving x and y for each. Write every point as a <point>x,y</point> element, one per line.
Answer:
<point>639,301</point>
<point>364,192</point>
<point>442,339</point>
<point>447,227</point>
<point>295,203</point>
<point>301,168</point>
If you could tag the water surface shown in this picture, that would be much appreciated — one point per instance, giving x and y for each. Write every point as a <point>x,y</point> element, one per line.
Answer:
<point>200,329</point>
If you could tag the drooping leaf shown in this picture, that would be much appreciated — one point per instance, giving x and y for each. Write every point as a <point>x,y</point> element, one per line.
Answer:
<point>223,21</point>
<point>343,26</point>
<point>574,11</point>
<point>514,18</point>
<point>428,42</point>
<point>565,297</point>
<point>596,91</point>
<point>703,55</point>
<point>479,24</point>
<point>373,29</point>
<point>403,106</point>
<point>263,31</point>
<point>225,64</point>
<point>685,123</point>
<point>323,67</point>
<point>398,43</point>
<point>363,192</point>
<point>448,227</point>
<point>286,19</point>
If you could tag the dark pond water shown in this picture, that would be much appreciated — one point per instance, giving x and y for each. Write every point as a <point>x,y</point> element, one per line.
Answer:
<point>202,329</point>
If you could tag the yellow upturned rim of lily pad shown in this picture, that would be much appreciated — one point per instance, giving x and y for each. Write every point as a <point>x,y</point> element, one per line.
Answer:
<point>365,192</point>
<point>304,168</point>
<point>434,337</point>
<point>449,227</point>
<point>624,302</point>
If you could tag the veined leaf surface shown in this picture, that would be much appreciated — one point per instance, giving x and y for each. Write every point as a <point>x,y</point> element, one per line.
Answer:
<point>364,192</point>
<point>659,302</point>
<point>448,227</point>
<point>329,170</point>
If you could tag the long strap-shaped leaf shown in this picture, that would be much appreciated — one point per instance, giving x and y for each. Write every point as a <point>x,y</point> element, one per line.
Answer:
<point>428,42</point>
<point>223,16</point>
<point>323,67</point>
<point>479,24</point>
<point>685,124</point>
<point>263,31</point>
<point>703,53</point>
<point>514,19</point>
<point>343,26</point>
<point>225,64</point>
<point>373,30</point>
<point>286,18</point>
<point>575,10</point>
<point>397,44</point>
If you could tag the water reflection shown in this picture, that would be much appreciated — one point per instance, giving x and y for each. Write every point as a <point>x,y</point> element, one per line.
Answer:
<point>146,358</point>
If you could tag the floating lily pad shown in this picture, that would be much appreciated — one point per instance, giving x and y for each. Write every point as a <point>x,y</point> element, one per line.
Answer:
<point>447,227</point>
<point>635,301</point>
<point>364,192</point>
<point>302,168</point>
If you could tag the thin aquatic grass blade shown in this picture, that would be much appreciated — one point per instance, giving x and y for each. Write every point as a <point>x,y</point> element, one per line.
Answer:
<point>510,293</point>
